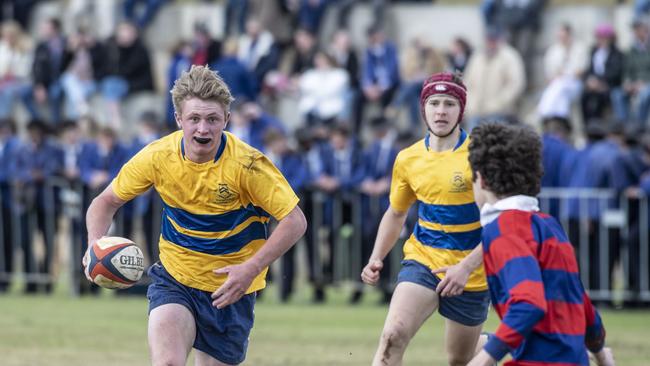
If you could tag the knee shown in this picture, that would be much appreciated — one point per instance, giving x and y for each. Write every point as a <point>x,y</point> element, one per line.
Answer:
<point>395,337</point>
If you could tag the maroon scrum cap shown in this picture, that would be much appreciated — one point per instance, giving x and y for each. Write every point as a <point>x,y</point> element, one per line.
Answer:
<point>443,83</point>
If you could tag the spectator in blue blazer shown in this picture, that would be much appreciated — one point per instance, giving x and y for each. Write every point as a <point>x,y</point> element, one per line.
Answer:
<point>556,147</point>
<point>377,167</point>
<point>294,170</point>
<point>9,147</point>
<point>380,69</point>
<point>38,160</point>
<point>311,144</point>
<point>240,81</point>
<point>181,61</point>
<point>342,172</point>
<point>249,122</point>
<point>102,159</point>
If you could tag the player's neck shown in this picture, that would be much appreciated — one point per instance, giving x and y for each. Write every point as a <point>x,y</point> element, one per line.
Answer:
<point>439,144</point>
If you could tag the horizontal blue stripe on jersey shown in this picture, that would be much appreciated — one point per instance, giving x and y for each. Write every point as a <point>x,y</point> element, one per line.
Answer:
<point>522,317</point>
<point>558,285</point>
<point>515,270</point>
<point>443,240</point>
<point>554,348</point>
<point>232,244</point>
<point>449,214</point>
<point>212,223</point>
<point>562,286</point>
<point>545,228</point>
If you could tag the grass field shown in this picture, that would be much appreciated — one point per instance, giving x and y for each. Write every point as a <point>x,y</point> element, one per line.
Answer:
<point>60,330</point>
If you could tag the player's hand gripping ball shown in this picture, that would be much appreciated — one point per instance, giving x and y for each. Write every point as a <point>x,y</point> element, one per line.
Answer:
<point>114,262</point>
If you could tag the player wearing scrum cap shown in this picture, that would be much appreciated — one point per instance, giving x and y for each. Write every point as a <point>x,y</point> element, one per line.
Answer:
<point>441,268</point>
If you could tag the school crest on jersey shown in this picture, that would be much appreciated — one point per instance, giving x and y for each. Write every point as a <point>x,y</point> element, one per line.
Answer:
<point>224,195</point>
<point>458,183</point>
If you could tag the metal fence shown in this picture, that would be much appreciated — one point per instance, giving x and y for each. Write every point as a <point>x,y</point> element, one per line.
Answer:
<point>609,232</point>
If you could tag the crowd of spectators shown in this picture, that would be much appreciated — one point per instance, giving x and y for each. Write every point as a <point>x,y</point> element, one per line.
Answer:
<point>348,99</point>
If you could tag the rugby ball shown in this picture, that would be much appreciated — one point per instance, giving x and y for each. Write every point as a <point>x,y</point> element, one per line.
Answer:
<point>115,263</point>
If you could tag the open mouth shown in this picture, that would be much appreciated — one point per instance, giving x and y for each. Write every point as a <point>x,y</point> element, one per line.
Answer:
<point>202,140</point>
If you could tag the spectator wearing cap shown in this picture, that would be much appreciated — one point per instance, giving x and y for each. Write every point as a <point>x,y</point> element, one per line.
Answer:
<point>603,76</point>
<point>38,160</point>
<point>564,64</point>
<point>496,77</point>
<point>636,77</point>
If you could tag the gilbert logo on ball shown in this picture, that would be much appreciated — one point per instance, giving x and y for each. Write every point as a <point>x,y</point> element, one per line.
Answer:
<point>115,263</point>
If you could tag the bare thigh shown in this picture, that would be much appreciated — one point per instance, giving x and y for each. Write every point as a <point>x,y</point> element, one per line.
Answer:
<point>460,341</point>
<point>171,334</point>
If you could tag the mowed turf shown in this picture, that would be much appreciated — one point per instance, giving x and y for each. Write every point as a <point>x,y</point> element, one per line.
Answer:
<point>60,330</point>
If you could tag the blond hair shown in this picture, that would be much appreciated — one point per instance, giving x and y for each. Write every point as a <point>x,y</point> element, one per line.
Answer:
<point>203,83</point>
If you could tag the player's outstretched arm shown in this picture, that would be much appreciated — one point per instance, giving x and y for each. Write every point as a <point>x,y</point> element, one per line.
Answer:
<point>389,229</point>
<point>100,215</point>
<point>291,228</point>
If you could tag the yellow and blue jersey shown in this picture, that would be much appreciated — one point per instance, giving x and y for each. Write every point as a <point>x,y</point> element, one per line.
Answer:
<point>448,226</point>
<point>215,213</point>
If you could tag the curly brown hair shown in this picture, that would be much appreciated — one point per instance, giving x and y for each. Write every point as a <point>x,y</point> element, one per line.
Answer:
<point>508,157</point>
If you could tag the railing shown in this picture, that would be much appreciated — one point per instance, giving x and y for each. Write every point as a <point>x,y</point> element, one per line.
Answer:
<point>610,234</point>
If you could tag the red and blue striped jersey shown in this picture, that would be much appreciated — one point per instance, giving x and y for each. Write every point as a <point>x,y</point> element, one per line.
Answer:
<point>535,288</point>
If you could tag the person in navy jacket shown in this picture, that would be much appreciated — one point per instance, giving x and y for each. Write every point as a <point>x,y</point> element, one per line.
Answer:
<point>102,160</point>
<point>292,166</point>
<point>377,167</point>
<point>556,147</point>
<point>9,147</point>
<point>342,172</point>
<point>38,160</point>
